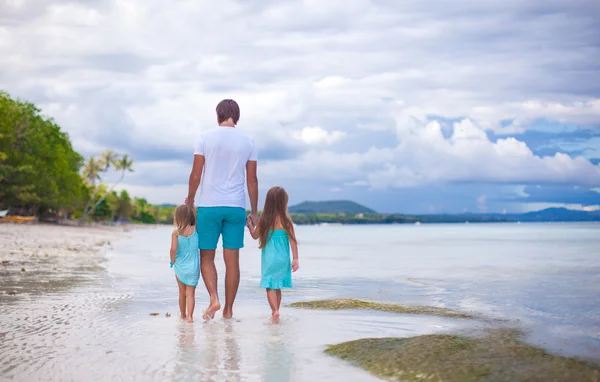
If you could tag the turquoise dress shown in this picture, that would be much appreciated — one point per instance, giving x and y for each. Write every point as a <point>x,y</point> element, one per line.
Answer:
<point>276,265</point>
<point>187,259</point>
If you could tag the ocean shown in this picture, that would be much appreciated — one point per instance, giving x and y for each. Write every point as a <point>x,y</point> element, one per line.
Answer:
<point>541,278</point>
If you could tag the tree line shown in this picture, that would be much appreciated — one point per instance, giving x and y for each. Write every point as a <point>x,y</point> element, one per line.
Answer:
<point>41,174</point>
<point>375,218</point>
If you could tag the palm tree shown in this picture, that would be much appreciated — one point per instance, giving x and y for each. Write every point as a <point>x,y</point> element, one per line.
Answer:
<point>91,173</point>
<point>108,159</point>
<point>92,170</point>
<point>123,164</point>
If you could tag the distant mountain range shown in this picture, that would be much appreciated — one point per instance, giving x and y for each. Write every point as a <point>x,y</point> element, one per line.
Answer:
<point>330,207</point>
<point>557,214</point>
<point>351,208</point>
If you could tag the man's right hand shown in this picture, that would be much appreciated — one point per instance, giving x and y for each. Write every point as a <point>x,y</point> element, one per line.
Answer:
<point>189,202</point>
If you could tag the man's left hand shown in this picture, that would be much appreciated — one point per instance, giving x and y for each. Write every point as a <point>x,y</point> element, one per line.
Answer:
<point>253,217</point>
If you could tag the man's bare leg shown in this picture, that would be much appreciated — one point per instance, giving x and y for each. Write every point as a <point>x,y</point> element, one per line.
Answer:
<point>209,275</point>
<point>232,279</point>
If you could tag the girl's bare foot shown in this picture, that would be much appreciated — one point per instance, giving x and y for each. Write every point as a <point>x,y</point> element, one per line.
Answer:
<point>190,319</point>
<point>182,317</point>
<point>209,313</point>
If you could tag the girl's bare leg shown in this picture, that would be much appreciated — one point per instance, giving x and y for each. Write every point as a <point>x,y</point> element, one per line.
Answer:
<point>190,293</point>
<point>181,298</point>
<point>278,299</point>
<point>272,298</point>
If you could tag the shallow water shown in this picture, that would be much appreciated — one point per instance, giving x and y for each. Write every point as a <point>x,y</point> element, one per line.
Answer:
<point>546,276</point>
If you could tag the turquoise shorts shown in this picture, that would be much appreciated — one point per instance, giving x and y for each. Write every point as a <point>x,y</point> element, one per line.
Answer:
<point>216,221</point>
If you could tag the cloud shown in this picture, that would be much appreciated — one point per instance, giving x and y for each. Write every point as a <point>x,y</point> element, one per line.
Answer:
<point>424,156</point>
<point>379,94</point>
<point>316,135</point>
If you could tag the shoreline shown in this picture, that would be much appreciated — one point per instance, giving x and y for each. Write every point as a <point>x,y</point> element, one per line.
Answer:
<point>41,258</point>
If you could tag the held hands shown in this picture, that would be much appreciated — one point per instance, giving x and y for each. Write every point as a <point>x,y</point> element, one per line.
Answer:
<point>295,265</point>
<point>253,219</point>
<point>249,224</point>
<point>189,202</point>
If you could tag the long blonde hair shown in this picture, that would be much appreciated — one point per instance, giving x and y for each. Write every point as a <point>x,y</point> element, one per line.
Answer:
<point>275,207</point>
<point>185,217</point>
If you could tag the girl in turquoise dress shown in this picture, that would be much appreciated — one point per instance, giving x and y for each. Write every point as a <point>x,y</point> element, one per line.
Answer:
<point>275,234</point>
<point>185,259</point>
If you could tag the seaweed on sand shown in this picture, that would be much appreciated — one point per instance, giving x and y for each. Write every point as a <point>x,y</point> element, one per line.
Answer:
<point>348,303</point>
<point>497,356</point>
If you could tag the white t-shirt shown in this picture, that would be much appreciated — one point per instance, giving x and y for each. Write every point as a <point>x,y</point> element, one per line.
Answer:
<point>226,152</point>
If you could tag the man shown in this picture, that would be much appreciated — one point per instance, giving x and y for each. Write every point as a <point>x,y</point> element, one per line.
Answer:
<point>224,159</point>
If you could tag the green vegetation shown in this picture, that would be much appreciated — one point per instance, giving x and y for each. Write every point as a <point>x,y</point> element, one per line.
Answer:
<point>120,206</point>
<point>39,170</point>
<point>41,174</point>
<point>93,172</point>
<point>497,356</point>
<point>347,303</point>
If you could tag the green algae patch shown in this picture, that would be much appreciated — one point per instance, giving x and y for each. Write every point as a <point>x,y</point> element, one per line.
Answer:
<point>348,303</point>
<point>498,356</point>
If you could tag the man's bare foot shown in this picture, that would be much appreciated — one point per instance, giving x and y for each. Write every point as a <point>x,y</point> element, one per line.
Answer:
<point>275,316</point>
<point>182,317</point>
<point>190,319</point>
<point>228,313</point>
<point>209,313</point>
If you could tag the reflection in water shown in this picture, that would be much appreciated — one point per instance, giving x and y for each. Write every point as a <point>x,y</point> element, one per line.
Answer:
<point>207,352</point>
<point>187,354</point>
<point>221,360</point>
<point>277,360</point>
<point>232,352</point>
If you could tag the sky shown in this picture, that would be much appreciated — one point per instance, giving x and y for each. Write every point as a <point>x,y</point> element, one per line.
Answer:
<point>443,106</point>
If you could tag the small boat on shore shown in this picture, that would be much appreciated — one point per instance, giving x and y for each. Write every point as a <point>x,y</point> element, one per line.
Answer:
<point>3,213</point>
<point>18,219</point>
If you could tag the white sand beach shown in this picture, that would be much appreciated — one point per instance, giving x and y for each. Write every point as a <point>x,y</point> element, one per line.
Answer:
<point>42,257</point>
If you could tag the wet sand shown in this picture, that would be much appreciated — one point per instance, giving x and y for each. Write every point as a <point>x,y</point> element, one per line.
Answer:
<point>41,258</point>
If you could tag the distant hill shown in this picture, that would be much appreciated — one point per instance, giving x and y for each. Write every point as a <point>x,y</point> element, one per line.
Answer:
<point>546,215</point>
<point>559,214</point>
<point>330,207</point>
